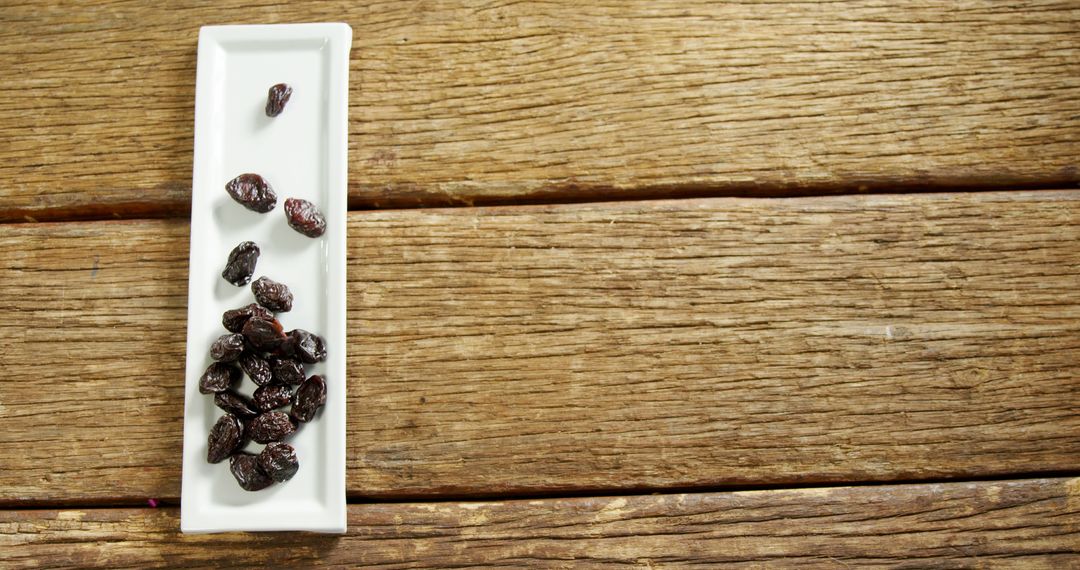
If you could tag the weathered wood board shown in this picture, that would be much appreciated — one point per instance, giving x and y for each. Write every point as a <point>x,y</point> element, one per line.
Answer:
<point>643,345</point>
<point>1016,524</point>
<point>458,103</point>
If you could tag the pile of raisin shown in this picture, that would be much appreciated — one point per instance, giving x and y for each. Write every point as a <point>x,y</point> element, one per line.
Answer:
<point>256,345</point>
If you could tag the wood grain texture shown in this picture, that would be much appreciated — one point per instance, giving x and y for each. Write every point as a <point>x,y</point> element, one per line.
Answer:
<point>453,102</point>
<point>647,345</point>
<point>1017,524</point>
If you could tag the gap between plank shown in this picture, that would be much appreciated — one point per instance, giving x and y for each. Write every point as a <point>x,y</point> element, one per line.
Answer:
<point>359,499</point>
<point>553,195</point>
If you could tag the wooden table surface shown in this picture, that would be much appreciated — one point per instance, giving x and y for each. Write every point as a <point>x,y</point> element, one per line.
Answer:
<point>631,284</point>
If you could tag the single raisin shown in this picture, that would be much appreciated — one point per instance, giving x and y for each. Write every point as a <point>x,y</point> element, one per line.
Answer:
<point>241,264</point>
<point>218,377</point>
<point>256,368</point>
<point>307,347</point>
<point>272,396</point>
<point>304,217</point>
<point>226,437</point>
<point>309,397</point>
<point>252,192</point>
<point>236,404</point>
<point>272,295</point>
<point>245,468</point>
<point>233,320</point>
<point>278,460</point>
<point>287,370</point>
<point>263,334</point>
<point>271,426</point>
<point>227,347</point>
<point>277,98</point>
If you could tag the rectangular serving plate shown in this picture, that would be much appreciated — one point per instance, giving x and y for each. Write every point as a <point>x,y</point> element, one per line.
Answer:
<point>302,153</point>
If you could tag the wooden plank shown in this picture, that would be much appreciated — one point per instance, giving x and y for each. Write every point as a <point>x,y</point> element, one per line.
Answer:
<point>695,343</point>
<point>455,103</point>
<point>1023,524</point>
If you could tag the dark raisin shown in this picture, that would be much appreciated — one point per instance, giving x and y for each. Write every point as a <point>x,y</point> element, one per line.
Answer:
<point>233,320</point>
<point>227,347</point>
<point>304,217</point>
<point>252,192</point>
<point>271,426</point>
<point>309,397</point>
<point>245,468</point>
<point>226,437</point>
<point>272,396</point>
<point>278,460</point>
<point>272,295</point>
<point>277,98</point>
<point>218,377</point>
<point>263,334</point>
<point>241,264</point>
<point>236,404</point>
<point>287,370</point>
<point>307,347</point>
<point>256,368</point>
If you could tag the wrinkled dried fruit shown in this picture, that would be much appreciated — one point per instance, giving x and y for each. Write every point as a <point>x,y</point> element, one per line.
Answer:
<point>236,404</point>
<point>226,437</point>
<point>218,377</point>
<point>263,334</point>
<point>304,217</point>
<point>227,347</point>
<point>241,264</point>
<point>271,426</point>
<point>309,397</point>
<point>278,460</point>
<point>256,368</point>
<point>245,468</point>
<point>272,295</point>
<point>256,336</point>
<point>277,98</point>
<point>233,320</point>
<point>287,370</point>
<point>307,347</point>
<point>272,396</point>
<point>252,192</point>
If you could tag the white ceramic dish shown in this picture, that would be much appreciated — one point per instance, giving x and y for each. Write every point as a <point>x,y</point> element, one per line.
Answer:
<point>302,153</point>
